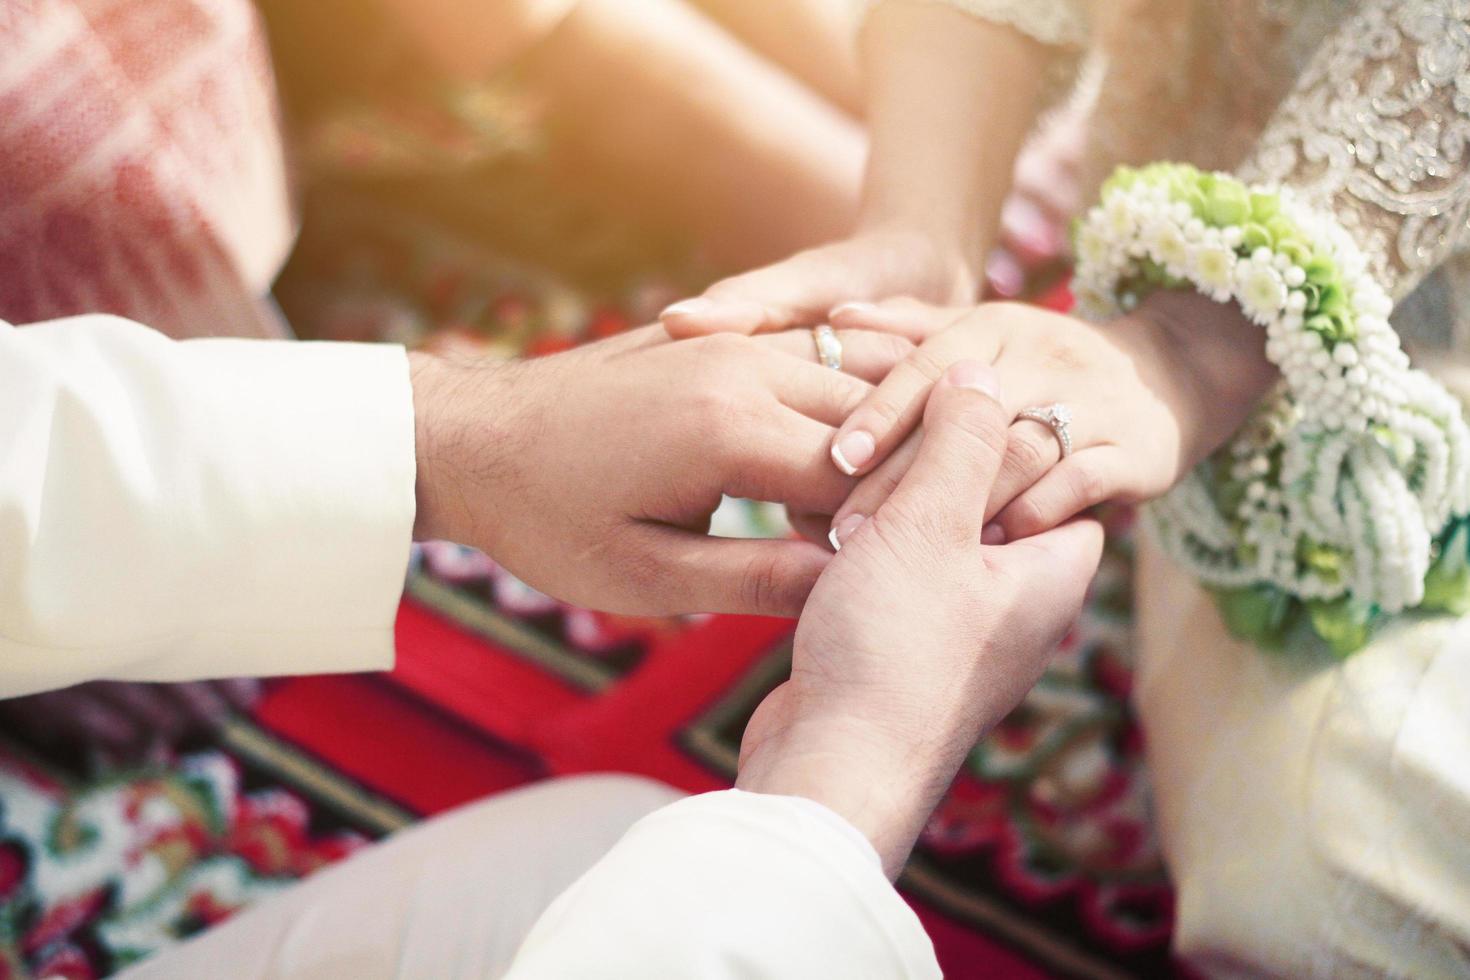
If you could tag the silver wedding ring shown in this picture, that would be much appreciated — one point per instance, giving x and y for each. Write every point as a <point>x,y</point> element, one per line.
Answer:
<point>829,348</point>
<point>1056,417</point>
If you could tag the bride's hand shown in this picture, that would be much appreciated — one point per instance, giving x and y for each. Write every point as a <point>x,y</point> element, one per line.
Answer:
<point>824,283</point>
<point>1150,394</point>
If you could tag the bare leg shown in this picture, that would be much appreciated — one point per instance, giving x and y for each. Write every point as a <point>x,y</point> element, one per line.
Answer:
<point>656,105</point>
<point>814,40</point>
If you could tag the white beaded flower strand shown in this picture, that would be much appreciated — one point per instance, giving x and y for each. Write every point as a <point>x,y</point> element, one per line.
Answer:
<point>1340,485</point>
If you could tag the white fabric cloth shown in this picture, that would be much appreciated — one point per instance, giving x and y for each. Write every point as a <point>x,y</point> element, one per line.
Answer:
<point>732,885</point>
<point>209,508</point>
<point>1315,816</point>
<point>450,898</point>
<point>723,885</point>
<point>204,508</point>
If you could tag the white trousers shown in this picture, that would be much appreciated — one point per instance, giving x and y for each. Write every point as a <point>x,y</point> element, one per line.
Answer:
<point>454,896</point>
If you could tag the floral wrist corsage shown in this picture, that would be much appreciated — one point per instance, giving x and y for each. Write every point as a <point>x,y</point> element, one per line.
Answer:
<point>1344,500</point>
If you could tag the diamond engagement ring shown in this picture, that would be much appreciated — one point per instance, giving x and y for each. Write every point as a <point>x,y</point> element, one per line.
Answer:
<point>829,348</point>
<point>1056,417</point>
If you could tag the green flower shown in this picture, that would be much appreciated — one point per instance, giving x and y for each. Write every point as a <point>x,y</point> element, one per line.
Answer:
<point>1262,614</point>
<point>1346,625</point>
<point>1256,236</point>
<point>1298,251</point>
<point>1447,586</point>
<point>1264,207</point>
<point>1320,270</point>
<point>1326,561</point>
<point>1228,203</point>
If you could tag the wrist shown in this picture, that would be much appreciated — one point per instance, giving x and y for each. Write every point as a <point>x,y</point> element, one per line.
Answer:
<point>432,425</point>
<point>462,413</point>
<point>952,263</point>
<point>884,789</point>
<point>1209,360</point>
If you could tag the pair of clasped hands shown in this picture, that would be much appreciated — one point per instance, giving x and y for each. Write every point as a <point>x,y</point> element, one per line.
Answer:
<point>593,474</point>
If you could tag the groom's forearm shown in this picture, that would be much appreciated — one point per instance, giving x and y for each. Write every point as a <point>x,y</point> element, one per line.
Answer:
<point>465,416</point>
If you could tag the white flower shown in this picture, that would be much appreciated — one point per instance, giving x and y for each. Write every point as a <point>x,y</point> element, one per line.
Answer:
<point>1212,266</point>
<point>1121,218</point>
<point>1167,244</point>
<point>1093,247</point>
<point>1262,290</point>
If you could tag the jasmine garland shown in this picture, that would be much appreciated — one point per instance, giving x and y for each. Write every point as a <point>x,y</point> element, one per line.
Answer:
<point>1345,499</point>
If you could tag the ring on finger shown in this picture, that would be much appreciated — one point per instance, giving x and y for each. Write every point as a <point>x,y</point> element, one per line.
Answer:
<point>829,348</point>
<point>1058,418</point>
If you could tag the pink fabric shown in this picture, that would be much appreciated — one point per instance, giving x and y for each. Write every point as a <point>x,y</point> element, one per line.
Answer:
<point>141,164</point>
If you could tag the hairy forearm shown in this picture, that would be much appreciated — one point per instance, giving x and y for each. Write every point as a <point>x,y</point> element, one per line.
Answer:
<point>951,100</point>
<point>464,417</point>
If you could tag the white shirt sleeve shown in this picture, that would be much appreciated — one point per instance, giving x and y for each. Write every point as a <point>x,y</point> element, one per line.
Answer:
<point>174,510</point>
<point>732,885</point>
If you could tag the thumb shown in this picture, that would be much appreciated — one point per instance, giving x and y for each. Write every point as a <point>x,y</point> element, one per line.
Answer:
<point>965,430</point>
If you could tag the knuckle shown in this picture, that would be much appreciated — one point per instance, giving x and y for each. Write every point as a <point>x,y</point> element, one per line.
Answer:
<point>1087,483</point>
<point>843,391</point>
<point>892,349</point>
<point>768,585</point>
<point>641,571</point>
<point>1026,455</point>
<point>898,535</point>
<point>882,413</point>
<point>721,347</point>
<point>996,315</point>
<point>1062,356</point>
<point>924,365</point>
<point>979,418</point>
<point>1023,518</point>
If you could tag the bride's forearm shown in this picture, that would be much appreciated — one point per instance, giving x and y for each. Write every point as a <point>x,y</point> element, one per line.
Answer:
<point>951,99</point>
<point>1210,363</point>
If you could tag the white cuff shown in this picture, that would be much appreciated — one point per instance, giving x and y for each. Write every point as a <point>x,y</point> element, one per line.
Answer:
<point>729,885</point>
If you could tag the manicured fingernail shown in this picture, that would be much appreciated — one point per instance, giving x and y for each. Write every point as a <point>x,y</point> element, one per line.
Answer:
<point>1005,274</point>
<point>687,307</point>
<point>1030,226</point>
<point>853,450</point>
<point>843,529</point>
<point>992,534</point>
<point>975,375</point>
<point>852,307</point>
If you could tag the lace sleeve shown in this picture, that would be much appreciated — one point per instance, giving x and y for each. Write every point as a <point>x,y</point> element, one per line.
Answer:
<point>1376,132</point>
<point>1063,23</point>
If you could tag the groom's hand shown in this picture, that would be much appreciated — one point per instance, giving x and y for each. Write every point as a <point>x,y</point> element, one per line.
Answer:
<point>918,638</point>
<point>592,474</point>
